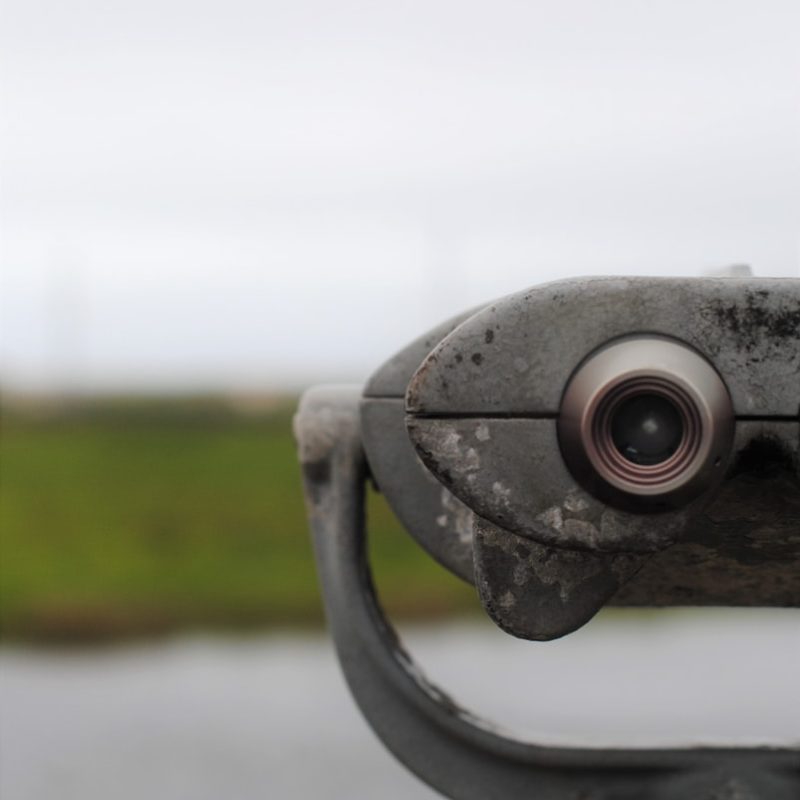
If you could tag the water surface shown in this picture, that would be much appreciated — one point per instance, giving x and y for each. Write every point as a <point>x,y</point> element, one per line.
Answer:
<point>205,718</point>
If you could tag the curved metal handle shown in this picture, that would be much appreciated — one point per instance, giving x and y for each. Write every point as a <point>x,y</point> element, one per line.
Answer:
<point>447,747</point>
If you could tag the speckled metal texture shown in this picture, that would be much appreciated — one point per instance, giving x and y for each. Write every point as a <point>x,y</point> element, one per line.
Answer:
<point>516,356</point>
<point>548,552</point>
<point>433,516</point>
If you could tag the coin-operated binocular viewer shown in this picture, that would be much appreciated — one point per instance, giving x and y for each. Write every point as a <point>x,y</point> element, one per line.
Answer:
<point>584,443</point>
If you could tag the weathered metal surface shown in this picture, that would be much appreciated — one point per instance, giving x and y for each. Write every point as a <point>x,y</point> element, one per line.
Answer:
<point>444,745</point>
<point>516,356</point>
<point>440,522</point>
<point>534,591</point>
<point>391,378</point>
<point>511,472</point>
<point>495,503</point>
<point>744,548</point>
<point>548,553</point>
<point>437,519</point>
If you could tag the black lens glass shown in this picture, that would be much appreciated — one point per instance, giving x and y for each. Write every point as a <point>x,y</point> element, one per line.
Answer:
<point>647,429</point>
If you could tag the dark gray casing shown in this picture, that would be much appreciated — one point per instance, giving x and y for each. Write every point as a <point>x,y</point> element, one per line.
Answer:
<point>494,501</point>
<point>438,521</point>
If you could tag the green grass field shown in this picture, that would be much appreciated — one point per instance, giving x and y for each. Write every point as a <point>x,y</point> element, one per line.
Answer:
<point>136,517</point>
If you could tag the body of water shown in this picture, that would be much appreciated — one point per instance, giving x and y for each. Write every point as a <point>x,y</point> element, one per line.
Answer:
<point>199,718</point>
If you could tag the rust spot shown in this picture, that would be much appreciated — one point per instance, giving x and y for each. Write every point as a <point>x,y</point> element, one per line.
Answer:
<point>477,359</point>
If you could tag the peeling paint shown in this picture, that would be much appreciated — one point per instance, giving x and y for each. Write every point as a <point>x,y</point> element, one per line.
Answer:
<point>462,517</point>
<point>552,518</point>
<point>482,432</point>
<point>583,531</point>
<point>472,461</point>
<point>500,490</point>
<point>451,444</point>
<point>507,600</point>
<point>575,503</point>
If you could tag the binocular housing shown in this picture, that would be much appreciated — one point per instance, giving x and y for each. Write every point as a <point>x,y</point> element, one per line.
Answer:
<point>625,441</point>
<point>594,441</point>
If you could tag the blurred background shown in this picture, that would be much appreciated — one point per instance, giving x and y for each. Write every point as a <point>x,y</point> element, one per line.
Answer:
<point>206,207</point>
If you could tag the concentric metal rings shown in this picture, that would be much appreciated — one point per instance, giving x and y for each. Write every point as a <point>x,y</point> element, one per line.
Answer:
<point>646,367</point>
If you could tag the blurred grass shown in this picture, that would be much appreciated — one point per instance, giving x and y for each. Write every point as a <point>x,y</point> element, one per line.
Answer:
<point>131,517</point>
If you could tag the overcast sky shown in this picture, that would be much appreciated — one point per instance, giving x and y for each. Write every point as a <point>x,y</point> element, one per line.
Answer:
<point>257,195</point>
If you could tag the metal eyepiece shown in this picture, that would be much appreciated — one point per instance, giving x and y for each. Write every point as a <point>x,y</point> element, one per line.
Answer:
<point>647,429</point>
<point>648,422</point>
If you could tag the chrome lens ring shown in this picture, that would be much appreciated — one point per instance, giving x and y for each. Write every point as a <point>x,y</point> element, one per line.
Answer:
<point>644,367</point>
<point>606,456</point>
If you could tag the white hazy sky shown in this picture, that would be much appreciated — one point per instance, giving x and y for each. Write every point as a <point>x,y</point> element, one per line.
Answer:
<point>257,195</point>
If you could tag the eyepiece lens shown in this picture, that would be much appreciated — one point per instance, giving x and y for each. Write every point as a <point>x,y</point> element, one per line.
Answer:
<point>647,429</point>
